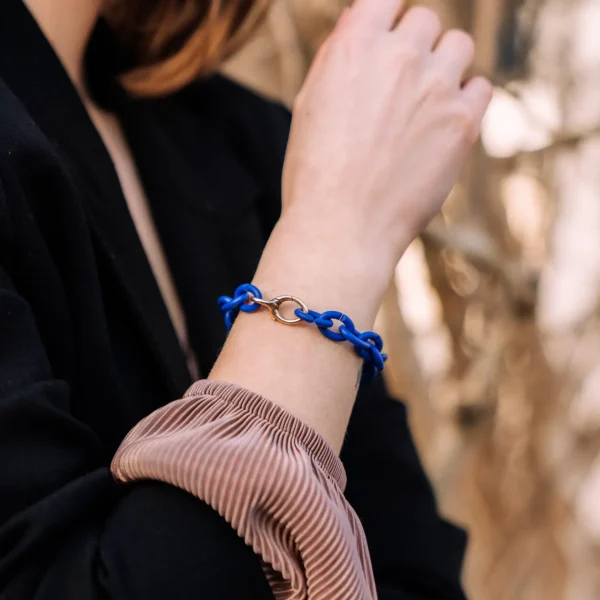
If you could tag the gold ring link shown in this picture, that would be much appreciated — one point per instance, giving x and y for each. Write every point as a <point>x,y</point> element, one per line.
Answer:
<point>275,304</point>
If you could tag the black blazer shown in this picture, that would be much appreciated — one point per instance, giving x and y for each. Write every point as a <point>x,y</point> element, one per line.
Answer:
<point>87,348</point>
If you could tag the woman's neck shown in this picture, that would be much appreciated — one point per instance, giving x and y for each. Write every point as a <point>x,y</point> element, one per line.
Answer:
<point>68,25</point>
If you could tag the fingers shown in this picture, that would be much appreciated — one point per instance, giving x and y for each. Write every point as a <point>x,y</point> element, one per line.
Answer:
<point>420,28</point>
<point>454,54</point>
<point>378,14</point>
<point>477,94</point>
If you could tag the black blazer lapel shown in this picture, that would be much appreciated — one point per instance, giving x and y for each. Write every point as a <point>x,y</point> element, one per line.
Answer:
<point>117,239</point>
<point>32,70</point>
<point>204,202</point>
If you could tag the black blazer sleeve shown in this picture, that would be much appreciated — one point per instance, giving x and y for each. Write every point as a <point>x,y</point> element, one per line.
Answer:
<point>415,553</point>
<point>67,531</point>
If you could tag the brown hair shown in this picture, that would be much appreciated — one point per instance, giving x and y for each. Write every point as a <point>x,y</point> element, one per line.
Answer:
<point>175,41</point>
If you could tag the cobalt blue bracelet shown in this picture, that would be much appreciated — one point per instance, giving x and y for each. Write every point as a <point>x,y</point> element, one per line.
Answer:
<point>369,345</point>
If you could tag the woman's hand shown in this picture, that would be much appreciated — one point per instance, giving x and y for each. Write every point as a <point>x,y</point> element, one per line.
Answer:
<point>380,132</point>
<point>382,128</point>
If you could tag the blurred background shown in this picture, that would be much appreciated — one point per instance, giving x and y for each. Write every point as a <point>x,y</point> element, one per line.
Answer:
<point>493,323</point>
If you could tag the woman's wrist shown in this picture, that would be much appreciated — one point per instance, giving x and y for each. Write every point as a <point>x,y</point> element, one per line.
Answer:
<point>297,368</point>
<point>327,269</point>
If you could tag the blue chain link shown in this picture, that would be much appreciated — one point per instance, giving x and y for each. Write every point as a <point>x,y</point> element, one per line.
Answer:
<point>230,307</point>
<point>367,345</point>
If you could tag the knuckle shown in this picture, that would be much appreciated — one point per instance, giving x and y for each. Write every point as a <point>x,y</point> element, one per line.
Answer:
<point>355,40</point>
<point>408,55</point>
<point>426,16</point>
<point>462,41</point>
<point>486,88</point>
<point>463,119</point>
<point>440,84</point>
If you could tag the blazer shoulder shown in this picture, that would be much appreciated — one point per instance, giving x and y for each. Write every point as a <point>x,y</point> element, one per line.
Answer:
<point>239,108</point>
<point>230,94</point>
<point>24,148</point>
<point>25,152</point>
<point>17,128</point>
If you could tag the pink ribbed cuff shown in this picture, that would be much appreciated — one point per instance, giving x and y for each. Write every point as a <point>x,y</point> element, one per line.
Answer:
<point>273,478</point>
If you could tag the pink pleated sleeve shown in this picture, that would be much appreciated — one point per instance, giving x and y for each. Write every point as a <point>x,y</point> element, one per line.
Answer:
<point>270,476</point>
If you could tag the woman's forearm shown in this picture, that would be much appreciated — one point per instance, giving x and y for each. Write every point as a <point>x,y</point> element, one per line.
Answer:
<point>296,367</point>
<point>380,132</point>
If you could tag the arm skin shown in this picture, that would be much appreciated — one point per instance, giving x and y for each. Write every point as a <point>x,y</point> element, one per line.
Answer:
<point>354,196</point>
<point>277,366</point>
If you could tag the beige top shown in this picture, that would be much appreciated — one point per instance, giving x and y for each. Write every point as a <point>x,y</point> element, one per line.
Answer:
<point>110,130</point>
<point>270,476</point>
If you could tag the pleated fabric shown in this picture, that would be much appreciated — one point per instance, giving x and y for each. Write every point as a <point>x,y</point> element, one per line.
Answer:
<point>270,476</point>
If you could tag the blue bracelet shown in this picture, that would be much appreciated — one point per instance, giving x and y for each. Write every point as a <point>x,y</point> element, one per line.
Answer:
<point>369,345</point>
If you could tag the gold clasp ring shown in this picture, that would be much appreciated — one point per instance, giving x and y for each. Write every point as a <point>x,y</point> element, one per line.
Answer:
<point>275,304</point>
